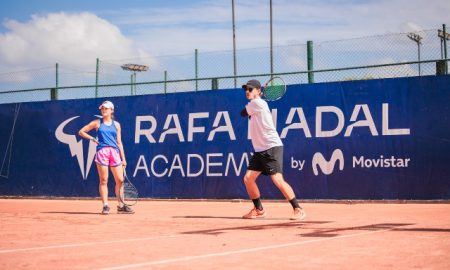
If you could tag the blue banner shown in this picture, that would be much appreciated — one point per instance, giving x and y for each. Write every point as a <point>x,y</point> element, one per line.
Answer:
<point>374,139</point>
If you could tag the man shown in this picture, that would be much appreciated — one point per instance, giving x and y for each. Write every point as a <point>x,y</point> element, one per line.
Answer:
<point>268,156</point>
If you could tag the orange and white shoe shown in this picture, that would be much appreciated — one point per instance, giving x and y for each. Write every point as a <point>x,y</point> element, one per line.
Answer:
<point>255,213</point>
<point>299,214</point>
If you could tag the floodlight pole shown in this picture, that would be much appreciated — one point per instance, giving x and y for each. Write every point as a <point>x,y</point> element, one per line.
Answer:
<point>271,41</point>
<point>445,48</point>
<point>133,81</point>
<point>234,44</point>
<point>416,38</point>
<point>444,36</point>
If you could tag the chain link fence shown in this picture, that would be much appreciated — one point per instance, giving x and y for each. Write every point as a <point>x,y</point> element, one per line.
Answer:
<point>381,56</point>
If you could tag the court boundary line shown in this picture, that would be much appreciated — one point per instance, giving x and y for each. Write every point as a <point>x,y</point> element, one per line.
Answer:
<point>239,251</point>
<point>4,251</point>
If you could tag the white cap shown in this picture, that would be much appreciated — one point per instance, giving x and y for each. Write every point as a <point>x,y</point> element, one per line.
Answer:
<point>107,104</point>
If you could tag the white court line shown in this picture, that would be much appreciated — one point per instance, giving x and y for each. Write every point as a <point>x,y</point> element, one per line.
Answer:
<point>88,244</point>
<point>240,251</point>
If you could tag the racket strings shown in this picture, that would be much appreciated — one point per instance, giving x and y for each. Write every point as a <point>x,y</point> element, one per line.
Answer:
<point>275,89</point>
<point>129,192</point>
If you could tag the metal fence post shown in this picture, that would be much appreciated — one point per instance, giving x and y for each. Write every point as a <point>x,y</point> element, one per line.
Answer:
<point>131,84</point>
<point>96,77</point>
<point>165,81</point>
<point>214,84</point>
<point>196,69</point>
<point>445,48</point>
<point>234,45</point>
<point>310,58</point>
<point>54,91</point>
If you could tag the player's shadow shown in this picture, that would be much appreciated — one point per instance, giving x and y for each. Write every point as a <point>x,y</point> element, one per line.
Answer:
<point>333,232</point>
<point>213,217</point>
<point>290,224</point>
<point>393,227</point>
<point>321,232</point>
<point>223,217</point>
<point>72,213</point>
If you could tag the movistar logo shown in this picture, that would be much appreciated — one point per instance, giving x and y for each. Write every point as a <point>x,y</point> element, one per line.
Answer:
<point>76,147</point>
<point>327,166</point>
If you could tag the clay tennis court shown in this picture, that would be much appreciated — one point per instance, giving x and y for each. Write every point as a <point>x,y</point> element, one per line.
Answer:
<point>71,234</point>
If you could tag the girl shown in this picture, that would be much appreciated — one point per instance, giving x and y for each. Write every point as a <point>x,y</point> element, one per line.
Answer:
<point>109,154</point>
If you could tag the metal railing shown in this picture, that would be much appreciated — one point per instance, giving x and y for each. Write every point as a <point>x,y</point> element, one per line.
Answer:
<point>404,69</point>
<point>382,56</point>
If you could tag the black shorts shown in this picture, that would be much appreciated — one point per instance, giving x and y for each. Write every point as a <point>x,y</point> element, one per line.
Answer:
<point>267,162</point>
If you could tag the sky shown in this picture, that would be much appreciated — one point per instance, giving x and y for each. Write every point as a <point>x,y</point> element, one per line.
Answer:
<point>40,33</point>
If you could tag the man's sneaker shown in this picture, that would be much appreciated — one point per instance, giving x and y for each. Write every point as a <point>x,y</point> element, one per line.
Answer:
<point>299,214</point>
<point>105,210</point>
<point>255,213</point>
<point>125,209</point>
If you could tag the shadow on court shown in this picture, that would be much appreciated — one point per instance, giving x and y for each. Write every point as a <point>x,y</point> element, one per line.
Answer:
<point>317,232</point>
<point>73,213</point>
<point>333,232</point>
<point>296,224</point>
<point>207,217</point>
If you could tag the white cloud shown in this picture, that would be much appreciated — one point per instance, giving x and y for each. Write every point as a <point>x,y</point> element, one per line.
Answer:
<point>77,39</point>
<point>207,25</point>
<point>73,40</point>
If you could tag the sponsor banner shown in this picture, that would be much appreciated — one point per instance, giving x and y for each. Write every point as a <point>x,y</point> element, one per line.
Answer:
<point>376,139</point>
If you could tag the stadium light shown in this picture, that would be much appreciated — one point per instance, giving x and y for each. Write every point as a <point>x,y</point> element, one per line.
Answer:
<point>134,68</point>
<point>418,39</point>
<point>443,36</point>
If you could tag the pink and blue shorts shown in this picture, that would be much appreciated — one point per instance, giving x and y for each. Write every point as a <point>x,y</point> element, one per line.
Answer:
<point>108,156</point>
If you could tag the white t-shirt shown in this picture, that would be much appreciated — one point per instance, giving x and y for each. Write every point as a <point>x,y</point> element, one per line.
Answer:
<point>262,130</point>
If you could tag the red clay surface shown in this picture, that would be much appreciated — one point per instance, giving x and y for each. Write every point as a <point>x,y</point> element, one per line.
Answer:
<point>62,234</point>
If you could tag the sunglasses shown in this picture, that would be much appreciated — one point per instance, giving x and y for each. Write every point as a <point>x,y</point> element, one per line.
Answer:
<point>249,89</point>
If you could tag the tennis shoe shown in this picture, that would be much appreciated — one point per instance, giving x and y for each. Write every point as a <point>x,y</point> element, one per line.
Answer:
<point>254,213</point>
<point>125,209</point>
<point>299,214</point>
<point>105,210</point>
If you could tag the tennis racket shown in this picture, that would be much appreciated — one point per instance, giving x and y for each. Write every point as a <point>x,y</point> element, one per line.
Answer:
<point>274,89</point>
<point>129,194</point>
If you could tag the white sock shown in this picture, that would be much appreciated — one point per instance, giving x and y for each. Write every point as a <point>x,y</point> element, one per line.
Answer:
<point>121,204</point>
<point>105,204</point>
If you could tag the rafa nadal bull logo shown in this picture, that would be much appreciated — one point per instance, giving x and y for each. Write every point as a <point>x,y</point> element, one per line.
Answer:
<point>76,147</point>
